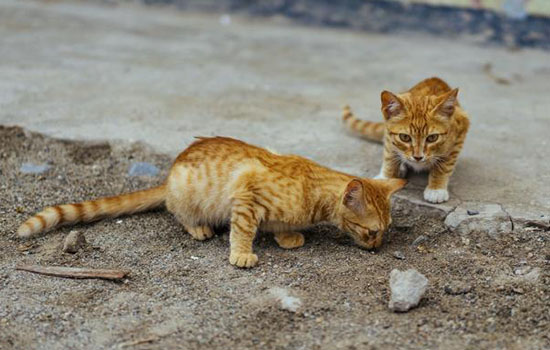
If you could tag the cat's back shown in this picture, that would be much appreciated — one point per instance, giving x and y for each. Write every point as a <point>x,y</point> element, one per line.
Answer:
<point>218,147</point>
<point>232,154</point>
<point>430,87</point>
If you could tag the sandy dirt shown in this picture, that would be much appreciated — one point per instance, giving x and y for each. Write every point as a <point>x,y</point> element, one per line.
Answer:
<point>184,294</point>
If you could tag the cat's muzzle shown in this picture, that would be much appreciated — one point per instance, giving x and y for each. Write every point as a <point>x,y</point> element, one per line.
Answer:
<point>370,239</point>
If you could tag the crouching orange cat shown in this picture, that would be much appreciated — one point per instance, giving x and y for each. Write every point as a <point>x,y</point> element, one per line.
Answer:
<point>424,129</point>
<point>220,179</point>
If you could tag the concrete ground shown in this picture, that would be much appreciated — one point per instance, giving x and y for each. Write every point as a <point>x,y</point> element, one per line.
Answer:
<point>84,71</point>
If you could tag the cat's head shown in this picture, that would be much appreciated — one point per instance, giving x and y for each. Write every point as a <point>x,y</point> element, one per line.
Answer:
<point>419,126</point>
<point>365,211</point>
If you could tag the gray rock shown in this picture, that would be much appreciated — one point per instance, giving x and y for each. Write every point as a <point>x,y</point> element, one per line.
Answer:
<point>31,168</point>
<point>491,219</point>
<point>398,255</point>
<point>407,288</point>
<point>74,242</point>
<point>532,276</point>
<point>419,240</point>
<point>528,273</point>
<point>143,169</point>
<point>522,270</point>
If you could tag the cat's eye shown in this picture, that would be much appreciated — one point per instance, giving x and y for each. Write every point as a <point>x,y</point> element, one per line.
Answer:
<point>432,137</point>
<point>404,137</point>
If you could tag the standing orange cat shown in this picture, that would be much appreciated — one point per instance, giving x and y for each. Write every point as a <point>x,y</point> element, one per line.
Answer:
<point>219,179</point>
<point>424,129</point>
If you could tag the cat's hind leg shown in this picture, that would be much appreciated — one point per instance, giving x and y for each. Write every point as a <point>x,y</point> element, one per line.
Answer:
<point>200,233</point>
<point>289,240</point>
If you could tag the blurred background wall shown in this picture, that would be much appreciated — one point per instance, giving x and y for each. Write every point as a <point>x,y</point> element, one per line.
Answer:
<point>510,6</point>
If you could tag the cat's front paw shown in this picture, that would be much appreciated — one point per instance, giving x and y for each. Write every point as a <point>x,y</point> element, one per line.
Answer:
<point>243,259</point>
<point>436,196</point>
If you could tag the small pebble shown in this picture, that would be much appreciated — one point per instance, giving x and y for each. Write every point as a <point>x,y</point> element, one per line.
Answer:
<point>74,242</point>
<point>522,270</point>
<point>472,212</point>
<point>398,255</point>
<point>31,168</point>
<point>143,169</point>
<point>419,240</point>
<point>518,290</point>
<point>457,288</point>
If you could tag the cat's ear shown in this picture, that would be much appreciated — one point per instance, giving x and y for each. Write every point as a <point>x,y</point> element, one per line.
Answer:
<point>353,197</point>
<point>394,185</point>
<point>391,104</point>
<point>447,103</point>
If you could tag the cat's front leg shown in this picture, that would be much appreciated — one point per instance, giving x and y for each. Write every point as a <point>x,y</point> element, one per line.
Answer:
<point>244,224</point>
<point>289,240</point>
<point>436,191</point>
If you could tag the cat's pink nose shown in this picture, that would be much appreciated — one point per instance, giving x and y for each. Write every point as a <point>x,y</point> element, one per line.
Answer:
<point>418,159</point>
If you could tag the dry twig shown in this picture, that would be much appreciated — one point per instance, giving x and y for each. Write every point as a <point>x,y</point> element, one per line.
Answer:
<point>74,272</point>
<point>138,342</point>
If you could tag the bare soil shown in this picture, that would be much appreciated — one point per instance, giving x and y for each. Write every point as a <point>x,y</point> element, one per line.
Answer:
<point>184,294</point>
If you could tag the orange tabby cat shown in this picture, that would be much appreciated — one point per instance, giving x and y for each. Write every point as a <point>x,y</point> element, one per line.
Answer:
<point>219,179</point>
<point>424,129</point>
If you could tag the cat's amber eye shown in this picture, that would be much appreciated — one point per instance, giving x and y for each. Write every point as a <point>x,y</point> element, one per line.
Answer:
<point>404,137</point>
<point>432,137</point>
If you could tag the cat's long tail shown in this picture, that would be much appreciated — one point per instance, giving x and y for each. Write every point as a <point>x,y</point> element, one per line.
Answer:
<point>367,129</point>
<point>93,210</point>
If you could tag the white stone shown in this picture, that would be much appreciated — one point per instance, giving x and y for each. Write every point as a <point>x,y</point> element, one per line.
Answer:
<point>407,288</point>
<point>143,169</point>
<point>287,302</point>
<point>491,219</point>
<point>31,168</point>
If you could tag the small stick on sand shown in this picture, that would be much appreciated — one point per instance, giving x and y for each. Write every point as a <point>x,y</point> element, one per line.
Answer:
<point>74,272</point>
<point>138,342</point>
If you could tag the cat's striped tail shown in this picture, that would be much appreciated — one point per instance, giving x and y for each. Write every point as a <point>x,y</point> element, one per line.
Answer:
<point>93,210</point>
<point>367,129</point>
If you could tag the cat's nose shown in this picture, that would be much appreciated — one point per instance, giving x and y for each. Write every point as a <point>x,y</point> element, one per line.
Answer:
<point>418,159</point>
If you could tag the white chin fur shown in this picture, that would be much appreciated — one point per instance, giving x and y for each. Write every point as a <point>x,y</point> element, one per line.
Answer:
<point>436,196</point>
<point>417,167</point>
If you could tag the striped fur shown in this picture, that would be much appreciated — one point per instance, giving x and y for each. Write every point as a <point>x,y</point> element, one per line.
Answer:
<point>130,203</point>
<point>424,129</point>
<point>373,131</point>
<point>217,180</point>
